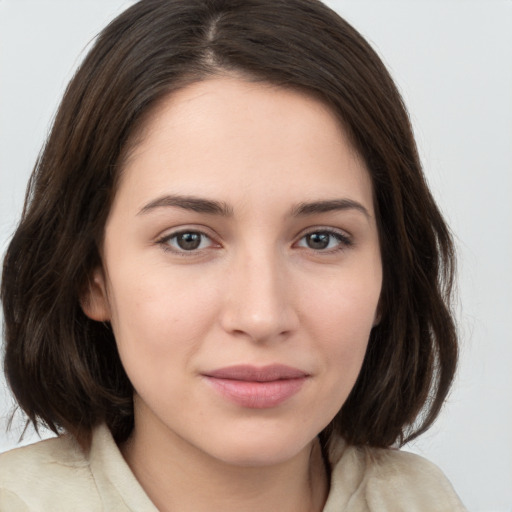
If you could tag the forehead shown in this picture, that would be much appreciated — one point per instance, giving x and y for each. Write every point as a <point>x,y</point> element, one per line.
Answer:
<point>226,136</point>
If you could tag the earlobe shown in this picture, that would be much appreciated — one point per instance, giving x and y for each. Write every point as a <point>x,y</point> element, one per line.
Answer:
<point>94,300</point>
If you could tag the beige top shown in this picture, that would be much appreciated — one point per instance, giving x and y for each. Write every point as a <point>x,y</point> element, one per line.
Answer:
<point>55,475</point>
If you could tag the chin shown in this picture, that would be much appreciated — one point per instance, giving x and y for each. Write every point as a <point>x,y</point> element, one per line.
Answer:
<point>254,449</point>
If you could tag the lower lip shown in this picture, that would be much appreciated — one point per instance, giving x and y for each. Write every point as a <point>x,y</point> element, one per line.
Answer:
<point>257,395</point>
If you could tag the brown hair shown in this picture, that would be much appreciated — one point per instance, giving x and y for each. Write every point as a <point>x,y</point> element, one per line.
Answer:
<point>64,368</point>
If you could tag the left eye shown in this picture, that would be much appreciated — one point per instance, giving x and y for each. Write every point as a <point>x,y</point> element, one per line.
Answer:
<point>323,240</point>
<point>187,241</point>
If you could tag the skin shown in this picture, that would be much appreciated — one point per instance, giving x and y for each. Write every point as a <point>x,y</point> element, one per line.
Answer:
<point>256,291</point>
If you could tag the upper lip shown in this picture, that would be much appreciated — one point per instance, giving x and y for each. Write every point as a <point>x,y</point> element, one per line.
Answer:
<point>257,373</point>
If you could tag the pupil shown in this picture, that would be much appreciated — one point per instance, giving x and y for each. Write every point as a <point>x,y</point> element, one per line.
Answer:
<point>318,240</point>
<point>189,241</point>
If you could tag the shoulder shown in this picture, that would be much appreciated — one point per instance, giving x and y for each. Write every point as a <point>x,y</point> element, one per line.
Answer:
<point>411,478</point>
<point>390,480</point>
<point>45,475</point>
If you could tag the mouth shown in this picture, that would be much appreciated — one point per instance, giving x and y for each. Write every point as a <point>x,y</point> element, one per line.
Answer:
<point>257,387</point>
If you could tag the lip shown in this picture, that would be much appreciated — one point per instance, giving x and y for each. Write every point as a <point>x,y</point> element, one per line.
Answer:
<point>257,387</point>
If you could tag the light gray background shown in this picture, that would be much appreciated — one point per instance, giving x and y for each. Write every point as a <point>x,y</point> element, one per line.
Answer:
<point>452,60</point>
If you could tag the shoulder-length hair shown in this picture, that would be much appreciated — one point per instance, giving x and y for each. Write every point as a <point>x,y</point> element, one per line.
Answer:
<point>64,368</point>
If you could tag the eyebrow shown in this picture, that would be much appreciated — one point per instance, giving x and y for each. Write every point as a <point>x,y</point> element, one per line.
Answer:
<point>211,207</point>
<point>329,205</point>
<point>195,204</point>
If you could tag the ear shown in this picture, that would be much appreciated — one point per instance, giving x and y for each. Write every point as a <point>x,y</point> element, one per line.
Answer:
<point>94,300</point>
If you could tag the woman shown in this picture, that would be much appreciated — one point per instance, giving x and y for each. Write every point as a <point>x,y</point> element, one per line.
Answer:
<point>230,286</point>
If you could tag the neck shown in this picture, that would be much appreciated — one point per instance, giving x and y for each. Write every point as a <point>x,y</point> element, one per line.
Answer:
<point>177,476</point>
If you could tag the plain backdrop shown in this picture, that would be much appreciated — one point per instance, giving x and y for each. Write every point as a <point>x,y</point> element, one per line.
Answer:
<point>452,60</point>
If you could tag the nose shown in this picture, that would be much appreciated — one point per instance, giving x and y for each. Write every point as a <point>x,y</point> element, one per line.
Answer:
<point>258,304</point>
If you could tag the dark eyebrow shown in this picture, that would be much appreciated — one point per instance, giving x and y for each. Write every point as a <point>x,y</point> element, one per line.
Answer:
<point>328,206</point>
<point>196,204</point>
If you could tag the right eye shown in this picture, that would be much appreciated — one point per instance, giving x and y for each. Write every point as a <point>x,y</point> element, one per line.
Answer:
<point>186,241</point>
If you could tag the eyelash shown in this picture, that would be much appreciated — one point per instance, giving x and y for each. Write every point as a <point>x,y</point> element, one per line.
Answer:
<point>344,241</point>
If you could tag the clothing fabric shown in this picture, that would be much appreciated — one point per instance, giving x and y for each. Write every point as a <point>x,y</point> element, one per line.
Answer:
<point>56,475</point>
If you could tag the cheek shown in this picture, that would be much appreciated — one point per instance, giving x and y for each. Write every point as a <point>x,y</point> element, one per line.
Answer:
<point>158,320</point>
<point>343,306</point>
<point>341,317</point>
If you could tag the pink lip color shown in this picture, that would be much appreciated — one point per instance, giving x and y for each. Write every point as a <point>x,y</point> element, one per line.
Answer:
<point>257,387</point>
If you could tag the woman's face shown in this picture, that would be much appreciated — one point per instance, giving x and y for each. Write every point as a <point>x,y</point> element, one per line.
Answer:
<point>241,270</point>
